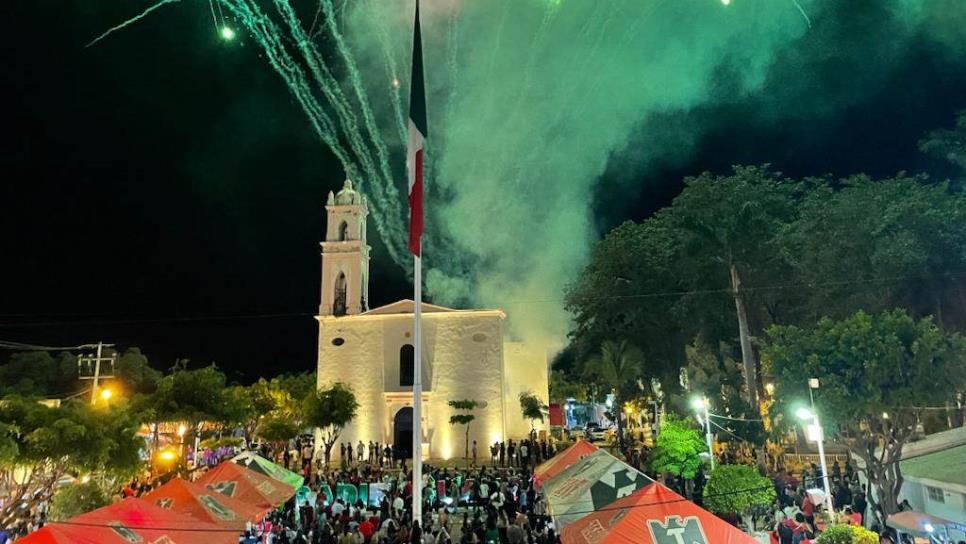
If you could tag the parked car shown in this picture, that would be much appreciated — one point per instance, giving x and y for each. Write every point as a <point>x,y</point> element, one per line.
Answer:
<point>596,433</point>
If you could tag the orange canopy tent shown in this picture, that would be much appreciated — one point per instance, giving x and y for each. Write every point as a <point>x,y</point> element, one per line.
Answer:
<point>556,464</point>
<point>652,515</point>
<point>132,520</point>
<point>246,485</point>
<point>195,500</point>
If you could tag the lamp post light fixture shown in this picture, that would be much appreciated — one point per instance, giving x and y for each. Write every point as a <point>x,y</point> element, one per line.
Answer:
<point>811,418</point>
<point>701,405</point>
<point>106,394</point>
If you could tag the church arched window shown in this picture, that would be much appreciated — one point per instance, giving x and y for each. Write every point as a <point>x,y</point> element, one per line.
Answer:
<point>338,300</point>
<point>343,231</point>
<point>407,365</point>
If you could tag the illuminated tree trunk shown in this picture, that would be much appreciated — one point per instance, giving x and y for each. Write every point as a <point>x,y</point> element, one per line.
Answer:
<point>748,358</point>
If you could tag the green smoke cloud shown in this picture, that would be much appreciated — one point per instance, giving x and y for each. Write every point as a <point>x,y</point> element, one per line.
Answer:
<point>529,99</point>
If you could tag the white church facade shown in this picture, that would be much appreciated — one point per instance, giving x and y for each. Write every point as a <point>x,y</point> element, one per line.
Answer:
<point>465,354</point>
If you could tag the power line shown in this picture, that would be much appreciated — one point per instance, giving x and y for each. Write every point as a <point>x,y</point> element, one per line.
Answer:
<point>561,300</point>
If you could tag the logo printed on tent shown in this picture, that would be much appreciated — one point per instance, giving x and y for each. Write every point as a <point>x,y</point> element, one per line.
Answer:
<point>125,532</point>
<point>225,488</point>
<point>682,531</point>
<point>165,503</point>
<point>163,540</point>
<point>616,485</point>
<point>219,510</point>
<point>594,533</point>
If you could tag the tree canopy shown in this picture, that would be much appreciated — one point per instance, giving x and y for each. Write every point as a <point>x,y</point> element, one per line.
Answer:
<point>738,489</point>
<point>330,409</point>
<point>46,442</point>
<point>874,370</point>
<point>678,448</point>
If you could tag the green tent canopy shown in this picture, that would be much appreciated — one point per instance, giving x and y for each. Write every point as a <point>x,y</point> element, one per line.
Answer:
<point>264,466</point>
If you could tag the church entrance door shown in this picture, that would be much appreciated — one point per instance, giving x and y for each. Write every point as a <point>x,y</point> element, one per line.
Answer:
<point>402,433</point>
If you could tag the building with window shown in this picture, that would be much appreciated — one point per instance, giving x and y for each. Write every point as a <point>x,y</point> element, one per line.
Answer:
<point>466,354</point>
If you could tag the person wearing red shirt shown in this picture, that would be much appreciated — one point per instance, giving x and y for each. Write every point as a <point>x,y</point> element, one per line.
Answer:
<point>808,508</point>
<point>366,528</point>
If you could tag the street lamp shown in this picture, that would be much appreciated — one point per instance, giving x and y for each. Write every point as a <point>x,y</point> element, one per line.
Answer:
<point>700,405</point>
<point>106,394</point>
<point>809,416</point>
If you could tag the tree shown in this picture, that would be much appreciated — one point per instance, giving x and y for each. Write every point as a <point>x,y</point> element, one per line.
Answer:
<point>278,398</point>
<point>38,374</point>
<point>714,373</point>
<point>869,365</point>
<point>190,397</point>
<point>41,444</point>
<point>948,144</point>
<point>875,245</point>
<point>330,410</point>
<point>134,373</point>
<point>277,430</point>
<point>623,292</point>
<point>678,448</point>
<point>563,388</point>
<point>738,489</point>
<point>79,498</point>
<point>464,405</point>
<point>618,368</point>
<point>532,408</point>
<point>728,229</point>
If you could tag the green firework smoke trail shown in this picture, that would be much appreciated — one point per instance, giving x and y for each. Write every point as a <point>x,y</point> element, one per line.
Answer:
<point>530,99</point>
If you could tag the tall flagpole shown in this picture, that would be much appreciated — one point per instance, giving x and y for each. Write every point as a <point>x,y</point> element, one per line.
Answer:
<point>414,157</point>
<point>418,391</point>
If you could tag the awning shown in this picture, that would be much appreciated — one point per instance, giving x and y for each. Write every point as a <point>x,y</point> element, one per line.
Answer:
<point>132,520</point>
<point>195,500</point>
<point>264,466</point>
<point>246,485</point>
<point>917,523</point>
<point>589,485</point>
<point>652,515</point>
<point>556,464</point>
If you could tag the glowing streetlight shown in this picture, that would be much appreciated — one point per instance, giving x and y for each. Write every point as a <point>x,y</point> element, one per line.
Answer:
<point>812,418</point>
<point>227,33</point>
<point>726,2</point>
<point>770,389</point>
<point>701,405</point>
<point>166,455</point>
<point>181,430</point>
<point>106,394</point>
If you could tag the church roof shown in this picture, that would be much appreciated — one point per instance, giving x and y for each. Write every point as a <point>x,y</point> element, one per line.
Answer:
<point>406,306</point>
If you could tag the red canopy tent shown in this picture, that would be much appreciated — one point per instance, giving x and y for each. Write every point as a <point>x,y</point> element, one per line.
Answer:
<point>652,515</point>
<point>556,464</point>
<point>197,501</point>
<point>132,520</point>
<point>246,485</point>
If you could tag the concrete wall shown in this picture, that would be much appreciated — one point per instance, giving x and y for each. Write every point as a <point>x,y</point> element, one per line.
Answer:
<point>526,371</point>
<point>462,359</point>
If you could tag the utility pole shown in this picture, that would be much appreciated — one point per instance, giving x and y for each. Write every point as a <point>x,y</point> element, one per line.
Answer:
<point>96,375</point>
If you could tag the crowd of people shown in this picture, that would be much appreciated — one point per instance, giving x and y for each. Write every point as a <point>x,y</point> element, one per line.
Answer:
<point>475,505</point>
<point>482,503</point>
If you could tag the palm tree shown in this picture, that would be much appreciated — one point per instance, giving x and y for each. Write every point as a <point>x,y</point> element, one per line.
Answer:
<point>617,369</point>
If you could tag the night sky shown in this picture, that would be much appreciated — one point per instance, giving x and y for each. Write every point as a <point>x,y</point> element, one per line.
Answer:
<point>162,190</point>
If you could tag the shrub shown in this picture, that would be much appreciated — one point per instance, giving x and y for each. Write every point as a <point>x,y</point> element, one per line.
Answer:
<point>76,499</point>
<point>836,534</point>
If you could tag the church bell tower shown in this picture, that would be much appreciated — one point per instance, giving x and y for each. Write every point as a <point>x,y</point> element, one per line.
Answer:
<point>345,254</point>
